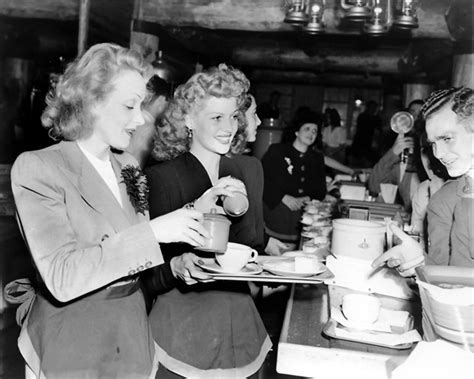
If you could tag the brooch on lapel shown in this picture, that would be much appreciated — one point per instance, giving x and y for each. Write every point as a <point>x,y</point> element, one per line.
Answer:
<point>137,187</point>
<point>290,166</point>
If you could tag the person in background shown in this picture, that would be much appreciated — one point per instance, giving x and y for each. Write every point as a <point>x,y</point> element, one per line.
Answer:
<point>334,136</point>
<point>368,122</point>
<point>270,109</point>
<point>213,329</point>
<point>249,123</point>
<point>391,169</point>
<point>142,140</point>
<point>294,173</point>
<point>83,212</point>
<point>450,129</point>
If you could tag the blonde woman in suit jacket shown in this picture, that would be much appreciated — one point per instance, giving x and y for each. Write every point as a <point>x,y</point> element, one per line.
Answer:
<point>84,216</point>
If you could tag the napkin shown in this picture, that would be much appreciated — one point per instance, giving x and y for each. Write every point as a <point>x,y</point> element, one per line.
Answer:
<point>438,359</point>
<point>388,321</point>
<point>377,338</point>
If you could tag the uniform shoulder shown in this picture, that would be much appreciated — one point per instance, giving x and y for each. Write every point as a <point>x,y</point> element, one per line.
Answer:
<point>446,196</point>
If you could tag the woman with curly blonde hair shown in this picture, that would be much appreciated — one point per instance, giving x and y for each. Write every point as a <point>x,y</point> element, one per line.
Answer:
<point>213,329</point>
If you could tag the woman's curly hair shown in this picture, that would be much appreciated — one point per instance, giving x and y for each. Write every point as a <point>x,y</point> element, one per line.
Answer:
<point>461,100</point>
<point>239,143</point>
<point>172,136</point>
<point>86,81</point>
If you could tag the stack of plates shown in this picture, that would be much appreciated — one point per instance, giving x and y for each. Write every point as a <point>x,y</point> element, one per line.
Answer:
<point>447,295</point>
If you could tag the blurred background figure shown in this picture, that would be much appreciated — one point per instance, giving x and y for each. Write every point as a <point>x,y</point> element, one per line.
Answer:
<point>368,122</point>
<point>391,169</point>
<point>334,136</point>
<point>294,173</point>
<point>270,109</point>
<point>249,121</point>
<point>142,141</point>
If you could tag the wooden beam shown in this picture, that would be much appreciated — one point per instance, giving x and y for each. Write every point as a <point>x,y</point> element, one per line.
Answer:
<point>366,62</point>
<point>307,77</point>
<point>49,9</point>
<point>269,15</point>
<point>83,26</point>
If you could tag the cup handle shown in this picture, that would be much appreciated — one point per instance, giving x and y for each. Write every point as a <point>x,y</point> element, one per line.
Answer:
<point>254,256</point>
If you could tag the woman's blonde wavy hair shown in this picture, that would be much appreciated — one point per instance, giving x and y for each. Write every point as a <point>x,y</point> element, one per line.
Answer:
<point>172,136</point>
<point>87,81</point>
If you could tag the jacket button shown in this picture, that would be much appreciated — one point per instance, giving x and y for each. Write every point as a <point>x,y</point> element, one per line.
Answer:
<point>140,268</point>
<point>148,264</point>
<point>131,272</point>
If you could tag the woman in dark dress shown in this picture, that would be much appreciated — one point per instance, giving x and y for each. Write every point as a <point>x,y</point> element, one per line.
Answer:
<point>213,329</point>
<point>294,173</point>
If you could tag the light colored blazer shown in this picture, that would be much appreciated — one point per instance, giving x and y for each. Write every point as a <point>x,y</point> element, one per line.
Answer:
<point>79,236</point>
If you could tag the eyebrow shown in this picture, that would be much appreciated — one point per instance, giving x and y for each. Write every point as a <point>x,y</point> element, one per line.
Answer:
<point>439,137</point>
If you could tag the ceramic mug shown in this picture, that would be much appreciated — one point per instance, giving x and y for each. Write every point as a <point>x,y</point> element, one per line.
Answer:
<point>218,228</point>
<point>236,257</point>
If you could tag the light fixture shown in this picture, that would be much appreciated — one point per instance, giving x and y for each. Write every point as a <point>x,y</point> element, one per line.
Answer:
<point>316,25</point>
<point>296,14</point>
<point>405,14</point>
<point>356,11</point>
<point>163,69</point>
<point>377,25</point>
<point>376,16</point>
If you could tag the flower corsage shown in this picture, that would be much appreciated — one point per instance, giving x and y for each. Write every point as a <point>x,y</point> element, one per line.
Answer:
<point>290,166</point>
<point>137,187</point>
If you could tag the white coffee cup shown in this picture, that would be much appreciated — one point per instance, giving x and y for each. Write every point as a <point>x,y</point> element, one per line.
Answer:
<point>361,308</point>
<point>236,257</point>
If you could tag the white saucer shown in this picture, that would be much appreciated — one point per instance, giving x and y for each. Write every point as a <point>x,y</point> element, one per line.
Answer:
<point>210,265</point>
<point>287,268</point>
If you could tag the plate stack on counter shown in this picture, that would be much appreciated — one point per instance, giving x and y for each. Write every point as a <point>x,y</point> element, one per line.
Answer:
<point>317,227</point>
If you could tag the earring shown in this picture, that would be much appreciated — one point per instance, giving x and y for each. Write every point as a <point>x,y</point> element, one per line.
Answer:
<point>190,133</point>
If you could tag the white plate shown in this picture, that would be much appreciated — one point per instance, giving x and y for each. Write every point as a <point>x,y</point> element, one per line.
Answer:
<point>210,265</point>
<point>286,267</point>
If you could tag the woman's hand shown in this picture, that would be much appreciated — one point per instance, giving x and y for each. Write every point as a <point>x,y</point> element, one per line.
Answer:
<point>276,247</point>
<point>182,225</point>
<point>402,143</point>
<point>292,202</point>
<point>224,187</point>
<point>184,267</point>
<point>405,257</point>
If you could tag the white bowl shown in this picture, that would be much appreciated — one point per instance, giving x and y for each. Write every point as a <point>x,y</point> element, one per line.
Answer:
<point>361,308</point>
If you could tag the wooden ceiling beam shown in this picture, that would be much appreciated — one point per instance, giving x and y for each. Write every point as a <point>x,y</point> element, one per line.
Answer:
<point>268,15</point>
<point>351,61</point>
<point>308,77</point>
<point>49,9</point>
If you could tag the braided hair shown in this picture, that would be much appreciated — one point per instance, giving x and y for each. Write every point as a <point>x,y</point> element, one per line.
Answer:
<point>460,98</point>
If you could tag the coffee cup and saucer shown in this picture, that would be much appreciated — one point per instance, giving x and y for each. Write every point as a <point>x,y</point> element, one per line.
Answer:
<point>237,259</point>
